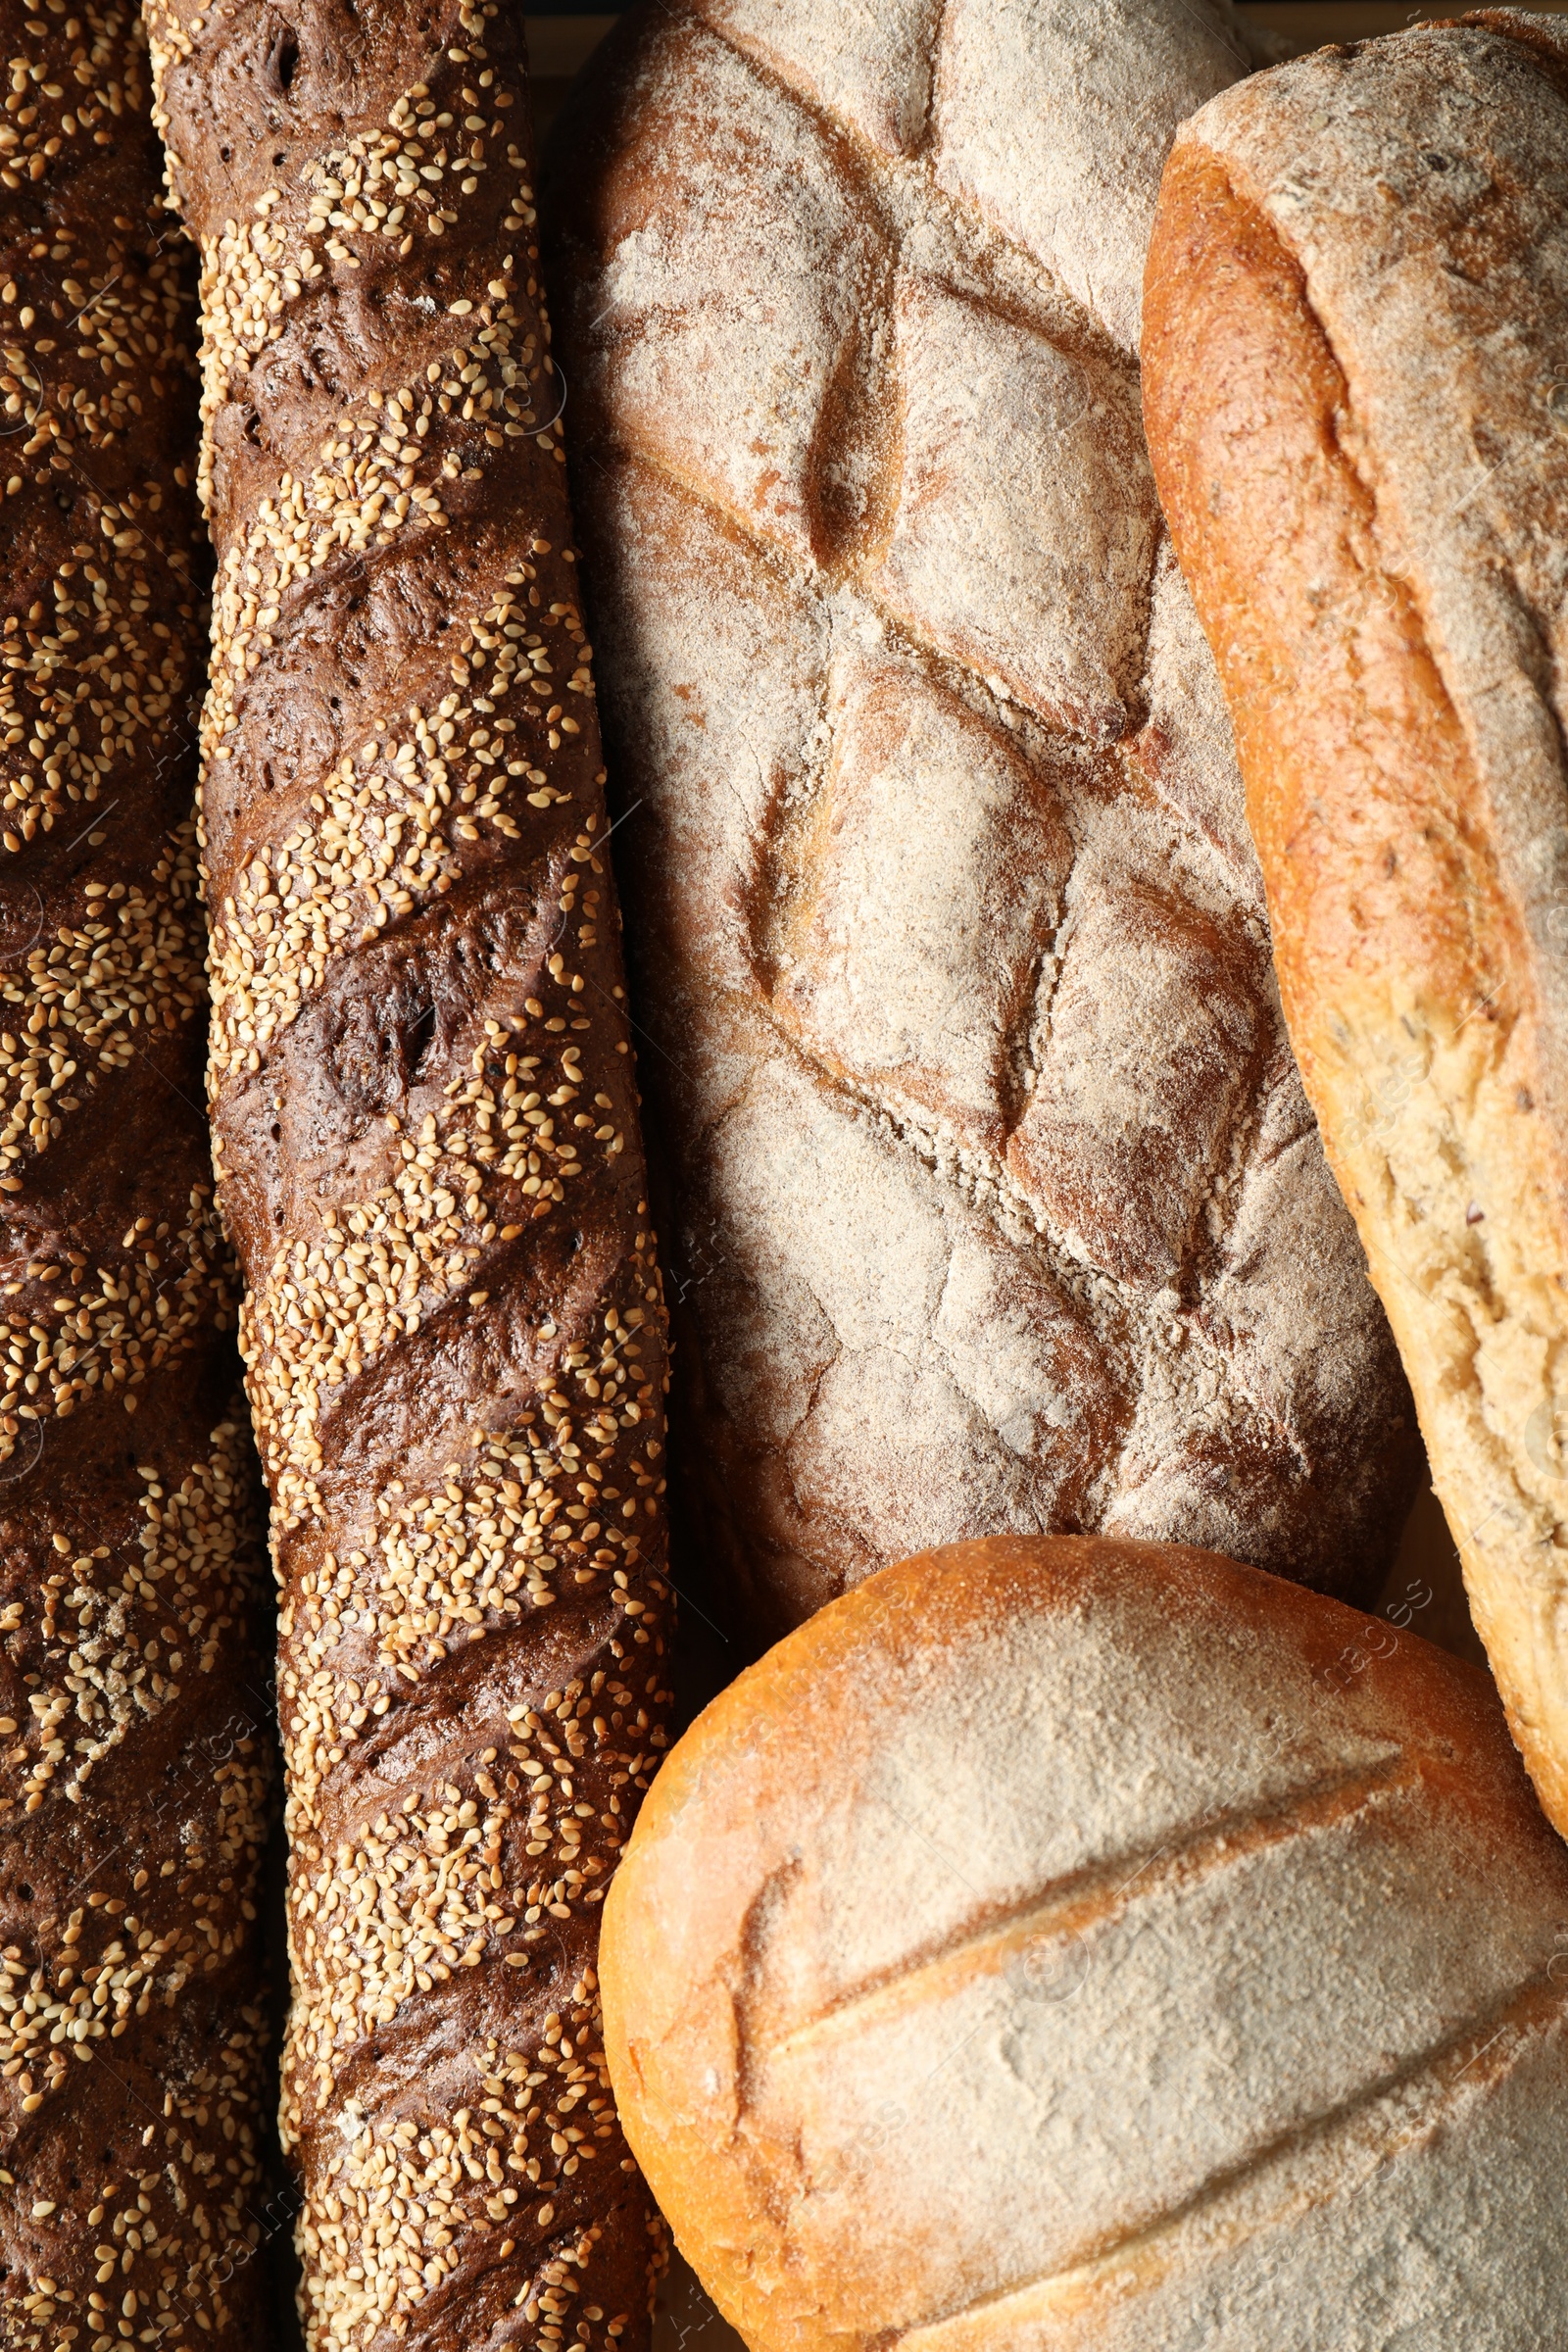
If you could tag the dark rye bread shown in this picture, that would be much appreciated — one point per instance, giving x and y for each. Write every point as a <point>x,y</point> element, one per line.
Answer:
<point>136,1773</point>
<point>426,1127</point>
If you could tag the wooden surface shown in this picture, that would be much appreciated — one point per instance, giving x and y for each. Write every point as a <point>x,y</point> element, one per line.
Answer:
<point>556,47</point>
<point>684,2320</point>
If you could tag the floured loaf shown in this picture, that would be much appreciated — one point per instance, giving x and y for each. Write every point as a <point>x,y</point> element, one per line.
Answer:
<point>1354,362</point>
<point>1068,1946</point>
<point>995,1198</point>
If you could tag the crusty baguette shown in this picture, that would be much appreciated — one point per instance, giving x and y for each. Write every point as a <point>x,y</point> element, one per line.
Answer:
<point>1068,1945</point>
<point>138,1767</point>
<point>426,1127</point>
<point>995,1198</point>
<point>1353,359</point>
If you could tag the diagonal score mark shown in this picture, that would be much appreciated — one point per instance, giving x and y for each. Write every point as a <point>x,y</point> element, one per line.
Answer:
<point>1101,1891</point>
<point>1414,2097</point>
<point>837,1084</point>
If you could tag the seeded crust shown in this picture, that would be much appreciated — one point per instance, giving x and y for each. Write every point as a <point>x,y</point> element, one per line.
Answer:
<point>136,1775</point>
<point>954,2002</point>
<point>1355,298</point>
<point>426,1125</point>
<point>994,1200</point>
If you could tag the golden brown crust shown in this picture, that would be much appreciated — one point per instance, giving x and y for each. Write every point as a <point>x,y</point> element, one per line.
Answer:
<point>1234,359</point>
<point>952,1999</point>
<point>1421,1004</point>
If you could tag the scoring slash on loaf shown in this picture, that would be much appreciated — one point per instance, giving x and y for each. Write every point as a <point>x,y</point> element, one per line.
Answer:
<point>1096,1946</point>
<point>136,1773</point>
<point>426,1121</point>
<point>995,1198</point>
<point>1354,362</point>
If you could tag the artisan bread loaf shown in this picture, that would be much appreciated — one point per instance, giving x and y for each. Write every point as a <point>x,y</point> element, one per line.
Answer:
<point>993,1200</point>
<point>1067,1943</point>
<point>1354,355</point>
<point>137,1768</point>
<point>427,1130</point>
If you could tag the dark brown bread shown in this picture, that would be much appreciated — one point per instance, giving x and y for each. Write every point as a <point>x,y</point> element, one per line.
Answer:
<point>425,1115</point>
<point>136,1773</point>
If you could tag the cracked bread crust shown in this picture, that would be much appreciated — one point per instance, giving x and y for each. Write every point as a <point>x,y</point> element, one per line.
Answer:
<point>425,1126</point>
<point>1351,364</point>
<point>136,1768</point>
<point>1245,2005</point>
<point>994,1199</point>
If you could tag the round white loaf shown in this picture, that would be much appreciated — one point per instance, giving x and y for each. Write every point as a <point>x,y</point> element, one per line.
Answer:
<point>1075,1943</point>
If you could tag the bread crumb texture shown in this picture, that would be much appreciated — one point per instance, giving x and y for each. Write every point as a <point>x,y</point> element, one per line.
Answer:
<point>425,1127</point>
<point>137,1778</point>
<point>1372,389</point>
<point>997,1200</point>
<point>1235,2015</point>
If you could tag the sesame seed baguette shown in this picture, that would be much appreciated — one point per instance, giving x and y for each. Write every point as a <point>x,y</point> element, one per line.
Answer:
<point>425,1107</point>
<point>137,1772</point>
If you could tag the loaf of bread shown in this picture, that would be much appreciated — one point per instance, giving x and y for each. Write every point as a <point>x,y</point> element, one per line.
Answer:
<point>993,1200</point>
<point>1355,365</point>
<point>1098,1946</point>
<point>137,1780</point>
<point>425,1119</point>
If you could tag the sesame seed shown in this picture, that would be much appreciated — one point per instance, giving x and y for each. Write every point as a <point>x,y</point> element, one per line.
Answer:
<point>494,1851</point>
<point>130,1621</point>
